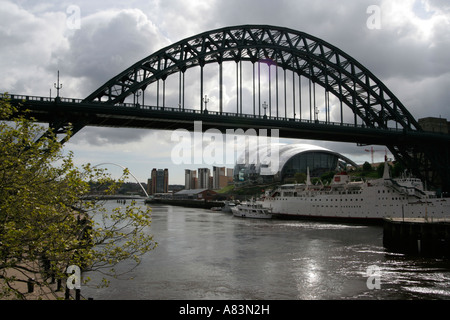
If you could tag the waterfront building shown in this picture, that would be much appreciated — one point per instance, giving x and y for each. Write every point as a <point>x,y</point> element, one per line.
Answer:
<point>190,179</point>
<point>217,173</point>
<point>204,178</point>
<point>159,181</point>
<point>433,124</point>
<point>195,194</point>
<point>292,159</point>
<point>220,179</point>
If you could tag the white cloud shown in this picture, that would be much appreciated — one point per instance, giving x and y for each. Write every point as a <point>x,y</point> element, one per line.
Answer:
<point>107,43</point>
<point>181,19</point>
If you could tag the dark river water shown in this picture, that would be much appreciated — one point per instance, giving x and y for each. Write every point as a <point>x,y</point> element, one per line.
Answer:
<point>206,255</point>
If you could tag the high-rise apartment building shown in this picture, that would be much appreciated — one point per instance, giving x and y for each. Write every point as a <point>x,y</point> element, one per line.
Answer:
<point>220,179</point>
<point>217,173</point>
<point>159,182</point>
<point>204,178</point>
<point>190,179</point>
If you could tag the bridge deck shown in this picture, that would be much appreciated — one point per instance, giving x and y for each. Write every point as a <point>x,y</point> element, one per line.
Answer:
<point>49,110</point>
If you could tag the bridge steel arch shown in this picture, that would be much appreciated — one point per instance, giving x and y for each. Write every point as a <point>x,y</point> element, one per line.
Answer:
<point>308,56</point>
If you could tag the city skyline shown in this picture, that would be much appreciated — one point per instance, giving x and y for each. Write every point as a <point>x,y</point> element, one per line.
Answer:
<point>159,181</point>
<point>204,178</point>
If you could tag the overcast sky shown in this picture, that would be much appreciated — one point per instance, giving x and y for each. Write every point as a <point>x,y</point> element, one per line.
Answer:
<point>90,42</point>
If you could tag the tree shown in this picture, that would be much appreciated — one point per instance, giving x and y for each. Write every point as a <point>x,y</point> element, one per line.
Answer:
<point>367,167</point>
<point>300,177</point>
<point>327,177</point>
<point>46,221</point>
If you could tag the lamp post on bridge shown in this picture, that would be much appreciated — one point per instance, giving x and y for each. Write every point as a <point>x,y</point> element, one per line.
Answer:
<point>57,86</point>
<point>265,107</point>
<point>136,98</point>
<point>206,100</point>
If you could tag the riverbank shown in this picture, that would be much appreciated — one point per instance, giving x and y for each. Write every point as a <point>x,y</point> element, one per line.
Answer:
<point>113,197</point>
<point>27,283</point>
<point>187,203</point>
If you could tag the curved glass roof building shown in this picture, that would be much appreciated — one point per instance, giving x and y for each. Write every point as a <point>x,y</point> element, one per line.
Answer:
<point>292,158</point>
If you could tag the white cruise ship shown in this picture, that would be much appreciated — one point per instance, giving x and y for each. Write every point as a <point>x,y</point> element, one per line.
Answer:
<point>363,200</point>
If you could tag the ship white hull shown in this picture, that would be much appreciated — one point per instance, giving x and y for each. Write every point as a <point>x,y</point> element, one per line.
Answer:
<point>261,213</point>
<point>364,203</point>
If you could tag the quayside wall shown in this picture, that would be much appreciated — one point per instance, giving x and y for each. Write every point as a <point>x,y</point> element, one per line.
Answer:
<point>430,238</point>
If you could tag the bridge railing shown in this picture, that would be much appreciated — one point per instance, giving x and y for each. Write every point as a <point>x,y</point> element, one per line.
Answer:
<point>194,111</point>
<point>247,115</point>
<point>43,99</point>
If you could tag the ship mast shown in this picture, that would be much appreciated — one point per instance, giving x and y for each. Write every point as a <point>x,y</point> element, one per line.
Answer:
<point>386,175</point>
<point>308,177</point>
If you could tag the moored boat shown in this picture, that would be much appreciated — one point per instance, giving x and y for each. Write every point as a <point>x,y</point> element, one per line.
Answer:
<point>251,210</point>
<point>229,205</point>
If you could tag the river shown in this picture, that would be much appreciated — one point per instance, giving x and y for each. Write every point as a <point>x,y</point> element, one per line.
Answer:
<point>207,255</point>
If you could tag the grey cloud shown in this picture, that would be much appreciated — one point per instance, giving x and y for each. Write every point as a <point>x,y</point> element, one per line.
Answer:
<point>107,43</point>
<point>107,136</point>
<point>104,136</point>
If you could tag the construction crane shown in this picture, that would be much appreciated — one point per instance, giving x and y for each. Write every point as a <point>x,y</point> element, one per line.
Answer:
<point>372,151</point>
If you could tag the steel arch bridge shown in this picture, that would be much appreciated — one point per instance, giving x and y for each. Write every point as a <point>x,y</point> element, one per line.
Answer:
<point>324,64</point>
<point>378,116</point>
